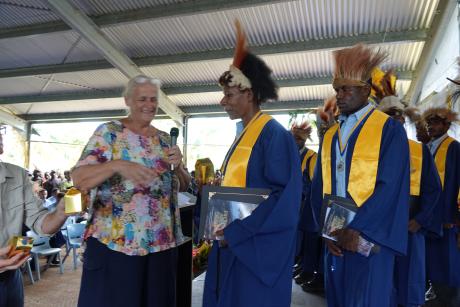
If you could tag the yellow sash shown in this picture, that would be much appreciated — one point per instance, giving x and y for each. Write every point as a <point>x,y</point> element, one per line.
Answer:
<point>416,161</point>
<point>440,158</point>
<point>364,162</point>
<point>305,158</point>
<point>311,166</point>
<point>326,150</point>
<point>235,166</point>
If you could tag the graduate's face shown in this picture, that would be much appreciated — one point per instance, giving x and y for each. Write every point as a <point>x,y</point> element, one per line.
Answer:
<point>143,102</point>
<point>237,103</point>
<point>436,127</point>
<point>422,134</point>
<point>351,98</point>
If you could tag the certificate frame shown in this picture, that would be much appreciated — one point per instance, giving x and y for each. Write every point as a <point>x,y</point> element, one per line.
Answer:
<point>230,196</point>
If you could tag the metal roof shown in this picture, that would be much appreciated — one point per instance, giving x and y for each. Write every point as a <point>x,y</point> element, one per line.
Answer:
<point>188,44</point>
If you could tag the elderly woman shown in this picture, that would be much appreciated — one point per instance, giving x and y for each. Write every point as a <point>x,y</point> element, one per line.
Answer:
<point>130,257</point>
<point>252,266</point>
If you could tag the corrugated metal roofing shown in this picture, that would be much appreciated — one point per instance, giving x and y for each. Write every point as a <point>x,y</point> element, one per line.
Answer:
<point>285,66</point>
<point>266,25</point>
<point>270,24</point>
<point>102,7</point>
<point>402,56</point>
<point>297,93</point>
<point>16,13</point>
<point>39,49</point>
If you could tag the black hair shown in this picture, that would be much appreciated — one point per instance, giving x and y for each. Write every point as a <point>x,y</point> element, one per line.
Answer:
<point>254,68</point>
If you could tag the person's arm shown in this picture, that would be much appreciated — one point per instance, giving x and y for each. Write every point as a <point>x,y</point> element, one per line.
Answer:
<point>175,158</point>
<point>13,263</point>
<point>184,178</point>
<point>53,221</point>
<point>86,177</point>
<point>96,163</point>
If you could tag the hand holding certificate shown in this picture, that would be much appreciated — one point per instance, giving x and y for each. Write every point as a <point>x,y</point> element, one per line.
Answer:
<point>337,214</point>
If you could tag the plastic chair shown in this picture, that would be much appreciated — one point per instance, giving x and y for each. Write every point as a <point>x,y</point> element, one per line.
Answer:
<point>26,266</point>
<point>75,239</point>
<point>42,247</point>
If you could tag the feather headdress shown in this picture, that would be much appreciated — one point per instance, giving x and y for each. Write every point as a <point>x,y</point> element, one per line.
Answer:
<point>445,114</point>
<point>383,84</point>
<point>354,66</point>
<point>303,130</point>
<point>249,71</point>
<point>329,110</point>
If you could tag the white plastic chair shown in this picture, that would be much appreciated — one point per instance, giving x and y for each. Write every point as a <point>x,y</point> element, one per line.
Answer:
<point>42,248</point>
<point>74,239</point>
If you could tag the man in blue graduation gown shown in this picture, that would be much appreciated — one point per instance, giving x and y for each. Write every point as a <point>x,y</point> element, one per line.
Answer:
<point>364,159</point>
<point>443,254</point>
<point>308,242</point>
<point>425,188</point>
<point>252,266</point>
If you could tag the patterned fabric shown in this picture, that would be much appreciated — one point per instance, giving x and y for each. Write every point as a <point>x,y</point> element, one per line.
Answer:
<point>134,220</point>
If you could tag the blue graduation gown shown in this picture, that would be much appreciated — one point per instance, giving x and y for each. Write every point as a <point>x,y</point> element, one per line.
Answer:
<point>443,256</point>
<point>306,184</point>
<point>311,246</point>
<point>354,280</point>
<point>410,274</point>
<point>256,267</point>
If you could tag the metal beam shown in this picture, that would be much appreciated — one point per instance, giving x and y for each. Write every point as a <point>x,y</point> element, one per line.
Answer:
<point>174,90</point>
<point>292,47</point>
<point>193,111</point>
<point>156,12</point>
<point>190,89</point>
<point>269,106</point>
<point>444,12</point>
<point>13,120</point>
<point>87,29</point>
<point>81,116</point>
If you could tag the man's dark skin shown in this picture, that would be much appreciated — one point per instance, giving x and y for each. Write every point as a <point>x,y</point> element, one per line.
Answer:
<point>349,100</point>
<point>422,133</point>
<point>436,127</point>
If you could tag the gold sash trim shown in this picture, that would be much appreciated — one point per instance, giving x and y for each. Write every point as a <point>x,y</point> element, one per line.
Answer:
<point>365,159</point>
<point>309,156</point>
<point>312,165</point>
<point>440,158</point>
<point>326,151</point>
<point>416,161</point>
<point>236,168</point>
<point>364,162</point>
<point>305,158</point>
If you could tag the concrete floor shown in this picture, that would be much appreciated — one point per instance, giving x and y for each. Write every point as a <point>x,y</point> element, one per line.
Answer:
<point>299,297</point>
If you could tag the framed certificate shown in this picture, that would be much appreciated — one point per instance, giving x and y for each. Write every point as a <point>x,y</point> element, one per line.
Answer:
<point>222,205</point>
<point>337,213</point>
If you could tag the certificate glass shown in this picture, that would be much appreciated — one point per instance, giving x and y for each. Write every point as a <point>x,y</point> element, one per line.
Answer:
<point>220,206</point>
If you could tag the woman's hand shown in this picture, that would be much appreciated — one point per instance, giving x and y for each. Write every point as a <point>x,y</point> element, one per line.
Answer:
<point>11,263</point>
<point>135,172</point>
<point>174,156</point>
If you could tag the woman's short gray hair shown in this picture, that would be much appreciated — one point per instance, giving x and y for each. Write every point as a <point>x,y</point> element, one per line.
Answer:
<point>138,80</point>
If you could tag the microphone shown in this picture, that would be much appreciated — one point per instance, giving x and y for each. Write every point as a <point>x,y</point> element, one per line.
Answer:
<point>174,133</point>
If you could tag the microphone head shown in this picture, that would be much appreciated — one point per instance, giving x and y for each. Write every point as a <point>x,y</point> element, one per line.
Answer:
<point>174,132</point>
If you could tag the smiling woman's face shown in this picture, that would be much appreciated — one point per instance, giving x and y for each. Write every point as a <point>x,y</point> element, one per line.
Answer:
<point>143,102</point>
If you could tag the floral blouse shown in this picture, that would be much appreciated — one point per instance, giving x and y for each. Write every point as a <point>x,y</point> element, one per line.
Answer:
<point>134,220</point>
